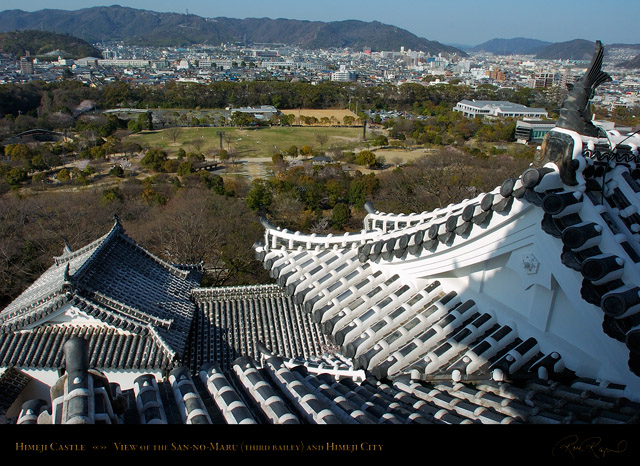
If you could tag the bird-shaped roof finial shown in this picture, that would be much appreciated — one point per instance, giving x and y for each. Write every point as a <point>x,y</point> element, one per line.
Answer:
<point>575,114</point>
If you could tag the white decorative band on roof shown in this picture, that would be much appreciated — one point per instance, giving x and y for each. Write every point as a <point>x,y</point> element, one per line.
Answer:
<point>132,312</point>
<point>237,292</point>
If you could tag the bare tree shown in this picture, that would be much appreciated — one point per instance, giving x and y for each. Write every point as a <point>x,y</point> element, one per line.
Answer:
<point>322,226</point>
<point>174,133</point>
<point>198,144</point>
<point>322,139</point>
<point>200,226</point>
<point>447,176</point>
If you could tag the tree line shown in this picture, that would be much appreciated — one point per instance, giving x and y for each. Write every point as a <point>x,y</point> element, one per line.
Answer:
<point>49,103</point>
<point>71,105</point>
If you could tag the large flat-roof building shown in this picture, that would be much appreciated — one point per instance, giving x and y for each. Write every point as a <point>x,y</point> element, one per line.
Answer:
<point>542,80</point>
<point>498,108</point>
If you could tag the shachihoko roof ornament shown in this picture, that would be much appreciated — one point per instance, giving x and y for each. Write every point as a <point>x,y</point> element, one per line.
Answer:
<point>575,116</point>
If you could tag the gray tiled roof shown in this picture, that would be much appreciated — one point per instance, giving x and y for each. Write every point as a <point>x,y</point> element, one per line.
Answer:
<point>147,288</point>
<point>41,348</point>
<point>390,326</point>
<point>12,382</point>
<point>276,390</point>
<point>235,321</point>
<point>142,302</point>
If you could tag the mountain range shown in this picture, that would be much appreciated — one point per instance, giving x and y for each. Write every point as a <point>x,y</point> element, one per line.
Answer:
<point>143,27</point>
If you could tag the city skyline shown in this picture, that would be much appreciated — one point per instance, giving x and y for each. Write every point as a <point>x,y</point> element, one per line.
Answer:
<point>473,23</point>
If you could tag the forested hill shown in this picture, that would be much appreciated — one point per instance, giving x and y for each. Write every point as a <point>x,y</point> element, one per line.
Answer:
<point>578,49</point>
<point>143,27</point>
<point>634,63</point>
<point>516,46</point>
<point>37,43</point>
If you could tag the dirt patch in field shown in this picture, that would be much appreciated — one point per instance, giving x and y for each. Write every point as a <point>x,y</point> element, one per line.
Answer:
<point>337,114</point>
<point>399,156</point>
<point>251,168</point>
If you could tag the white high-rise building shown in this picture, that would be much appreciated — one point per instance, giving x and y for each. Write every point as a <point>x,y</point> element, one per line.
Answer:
<point>344,75</point>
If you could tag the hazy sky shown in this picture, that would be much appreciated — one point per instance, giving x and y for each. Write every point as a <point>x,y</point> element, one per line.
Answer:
<point>469,22</point>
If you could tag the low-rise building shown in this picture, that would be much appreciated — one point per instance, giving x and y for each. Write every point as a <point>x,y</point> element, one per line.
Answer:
<point>133,63</point>
<point>498,108</point>
<point>532,131</point>
<point>263,112</point>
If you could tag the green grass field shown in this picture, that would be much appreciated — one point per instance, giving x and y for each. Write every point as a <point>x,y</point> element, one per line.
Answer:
<point>259,142</point>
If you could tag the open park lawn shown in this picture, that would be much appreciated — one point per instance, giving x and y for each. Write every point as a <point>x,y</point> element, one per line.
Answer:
<point>249,142</point>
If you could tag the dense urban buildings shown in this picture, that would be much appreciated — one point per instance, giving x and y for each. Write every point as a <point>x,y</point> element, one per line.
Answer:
<point>232,62</point>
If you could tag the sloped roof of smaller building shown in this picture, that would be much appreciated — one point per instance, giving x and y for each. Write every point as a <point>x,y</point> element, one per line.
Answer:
<point>112,280</point>
<point>234,321</point>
